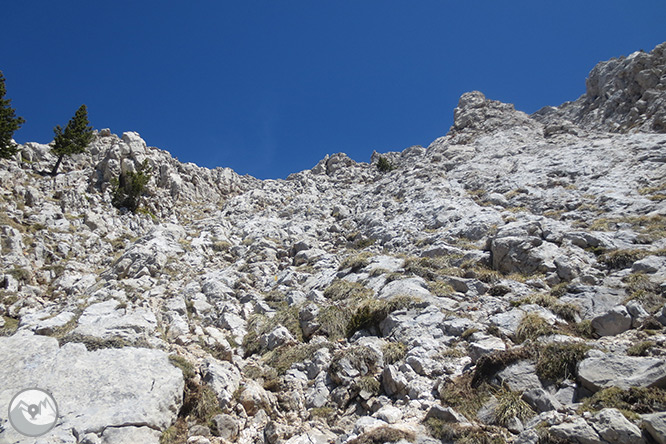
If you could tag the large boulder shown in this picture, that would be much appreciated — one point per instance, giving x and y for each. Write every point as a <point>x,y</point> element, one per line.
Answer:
<point>610,370</point>
<point>94,390</point>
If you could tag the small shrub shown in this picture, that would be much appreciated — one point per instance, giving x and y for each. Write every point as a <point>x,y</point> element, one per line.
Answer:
<point>640,348</point>
<point>184,365</point>
<point>636,400</point>
<point>489,364</point>
<point>356,262</point>
<point>372,312</point>
<point>559,290</point>
<point>10,327</point>
<point>642,289</point>
<point>531,327</point>
<point>128,188</point>
<point>393,352</point>
<point>620,259</point>
<point>333,320</point>
<point>558,361</point>
<point>511,405</point>
<point>341,289</point>
<point>440,288</point>
<point>384,165</point>
<point>369,384</point>
<point>21,274</point>
<point>384,434</point>
<point>584,329</point>
<point>499,290</point>
<point>465,396</point>
<point>282,358</point>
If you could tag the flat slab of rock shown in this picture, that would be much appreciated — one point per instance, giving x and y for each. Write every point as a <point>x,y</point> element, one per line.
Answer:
<point>655,424</point>
<point>608,370</point>
<point>94,390</point>
<point>105,320</point>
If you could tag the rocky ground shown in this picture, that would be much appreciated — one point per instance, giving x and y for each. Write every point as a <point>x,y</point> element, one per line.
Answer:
<point>505,284</point>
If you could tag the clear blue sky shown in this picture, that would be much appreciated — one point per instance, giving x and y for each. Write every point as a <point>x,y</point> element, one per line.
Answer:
<point>269,87</point>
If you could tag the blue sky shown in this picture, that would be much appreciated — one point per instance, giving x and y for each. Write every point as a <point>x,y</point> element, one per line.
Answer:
<point>270,87</point>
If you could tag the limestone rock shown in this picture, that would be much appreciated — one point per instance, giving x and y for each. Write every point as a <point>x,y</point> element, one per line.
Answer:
<point>610,370</point>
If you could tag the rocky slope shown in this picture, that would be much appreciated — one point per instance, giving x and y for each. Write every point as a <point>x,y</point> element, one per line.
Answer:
<point>506,284</point>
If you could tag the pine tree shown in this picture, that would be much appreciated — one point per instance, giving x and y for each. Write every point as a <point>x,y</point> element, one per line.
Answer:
<point>74,139</point>
<point>8,123</point>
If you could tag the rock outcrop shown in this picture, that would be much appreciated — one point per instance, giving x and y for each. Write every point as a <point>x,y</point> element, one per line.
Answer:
<point>504,284</point>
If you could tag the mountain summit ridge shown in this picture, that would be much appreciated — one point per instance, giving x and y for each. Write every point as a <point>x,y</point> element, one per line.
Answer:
<point>504,284</point>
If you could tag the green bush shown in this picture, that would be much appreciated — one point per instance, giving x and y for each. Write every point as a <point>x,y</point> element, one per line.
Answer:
<point>384,165</point>
<point>128,189</point>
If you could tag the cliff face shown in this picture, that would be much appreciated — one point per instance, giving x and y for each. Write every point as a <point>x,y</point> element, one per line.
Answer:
<point>478,292</point>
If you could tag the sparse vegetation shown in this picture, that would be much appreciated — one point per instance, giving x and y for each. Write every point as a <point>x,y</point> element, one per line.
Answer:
<point>9,123</point>
<point>633,401</point>
<point>129,187</point>
<point>619,259</point>
<point>510,405</point>
<point>640,348</point>
<point>10,327</point>
<point>393,352</point>
<point>384,165</point>
<point>384,434</point>
<point>531,327</point>
<point>341,289</point>
<point>371,312</point>
<point>558,361</point>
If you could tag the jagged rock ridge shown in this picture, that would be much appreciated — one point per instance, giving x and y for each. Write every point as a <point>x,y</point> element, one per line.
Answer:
<point>505,284</point>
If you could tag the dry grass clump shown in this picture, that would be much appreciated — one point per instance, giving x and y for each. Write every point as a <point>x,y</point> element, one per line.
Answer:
<point>511,405</point>
<point>620,259</point>
<point>341,289</point>
<point>633,401</point>
<point>384,434</point>
<point>531,327</point>
<point>356,262</point>
<point>393,352</point>
<point>371,312</point>
<point>558,361</point>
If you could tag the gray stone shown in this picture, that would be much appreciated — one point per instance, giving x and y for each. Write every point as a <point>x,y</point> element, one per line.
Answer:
<point>650,264</point>
<point>225,426</point>
<point>540,400</point>
<point>608,370</point>
<point>576,431</point>
<point>612,426</point>
<point>130,385</point>
<point>655,424</point>
<point>520,376</point>
<point>122,435</point>
<point>393,381</point>
<point>277,337</point>
<point>105,320</point>
<point>613,322</point>
<point>198,430</point>
<point>446,414</point>
<point>389,414</point>
<point>484,345</point>
<point>224,378</point>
